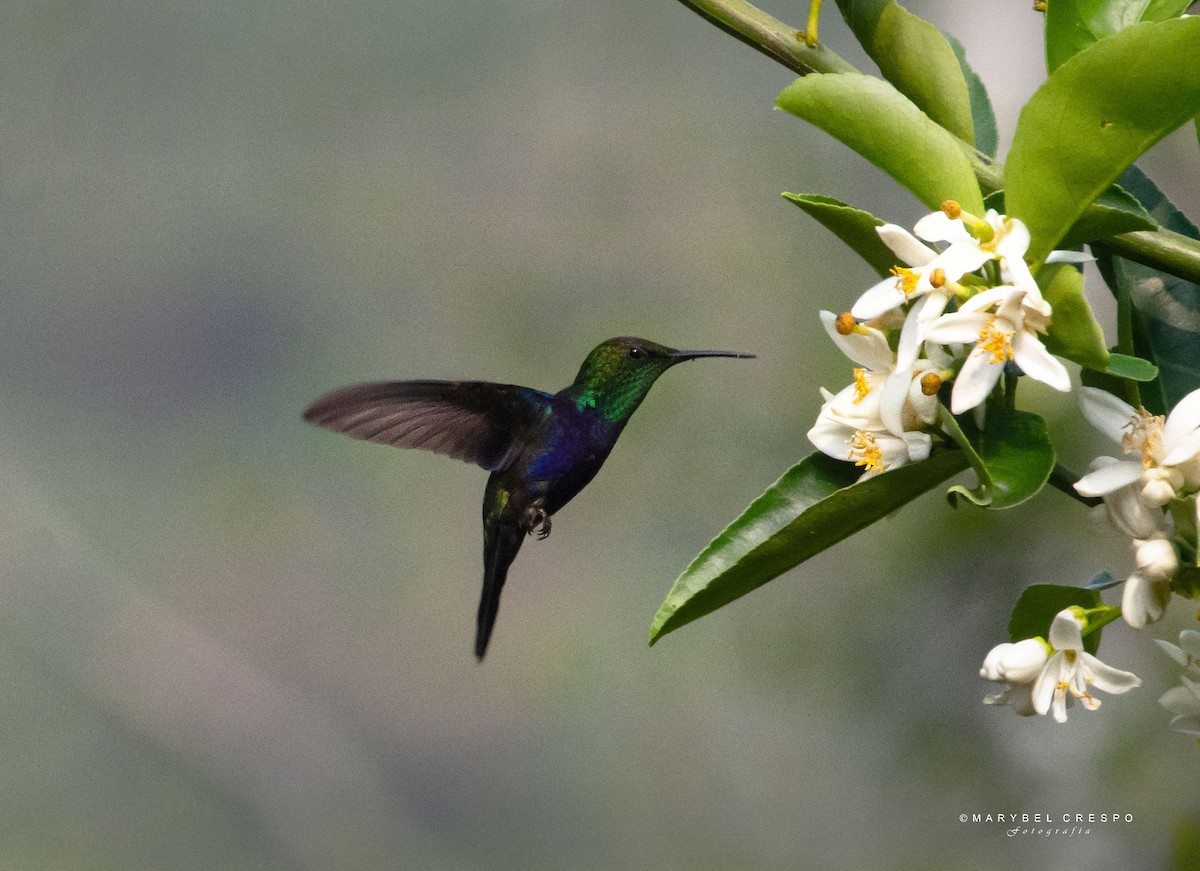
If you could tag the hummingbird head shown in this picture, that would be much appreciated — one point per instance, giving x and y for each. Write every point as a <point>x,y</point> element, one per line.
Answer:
<point>618,373</point>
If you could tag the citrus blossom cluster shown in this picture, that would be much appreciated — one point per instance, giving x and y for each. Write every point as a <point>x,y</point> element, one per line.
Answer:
<point>959,310</point>
<point>958,313</point>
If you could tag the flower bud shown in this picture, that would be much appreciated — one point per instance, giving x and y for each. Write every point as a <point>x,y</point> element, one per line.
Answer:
<point>1161,485</point>
<point>1015,663</point>
<point>1156,558</point>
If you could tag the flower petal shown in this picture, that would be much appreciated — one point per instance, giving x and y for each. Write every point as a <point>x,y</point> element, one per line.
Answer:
<point>1105,412</point>
<point>1189,640</point>
<point>1109,478</point>
<point>959,327</point>
<point>891,400</point>
<point>866,346</point>
<point>1068,257</point>
<point>1038,363</point>
<point>919,444</point>
<point>1186,725</point>
<point>1065,631</point>
<point>878,300</point>
<point>937,227</point>
<point>1103,676</point>
<point>911,250</point>
<point>1144,601</point>
<point>1183,419</point>
<point>1172,651</point>
<point>1046,682</point>
<point>975,381</point>
<point>961,258</point>
<point>988,298</point>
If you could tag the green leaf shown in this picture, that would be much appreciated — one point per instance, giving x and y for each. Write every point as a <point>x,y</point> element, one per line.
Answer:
<point>1132,368</point>
<point>812,507</point>
<point>1012,455</point>
<point>1164,310</point>
<point>1040,603</point>
<point>1092,118</point>
<point>1074,331</point>
<point>913,55</point>
<point>1116,211</point>
<point>853,226</point>
<point>881,124</point>
<point>1073,25</point>
<point>987,140</point>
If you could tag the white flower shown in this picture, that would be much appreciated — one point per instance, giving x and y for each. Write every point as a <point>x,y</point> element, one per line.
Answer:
<point>1187,653</point>
<point>874,422</point>
<point>1015,667</point>
<point>911,282</point>
<point>1009,333</point>
<point>1134,502</point>
<point>1008,242</point>
<point>994,237</point>
<point>848,431</point>
<point>1184,702</point>
<point>1166,451</point>
<point>1071,671</point>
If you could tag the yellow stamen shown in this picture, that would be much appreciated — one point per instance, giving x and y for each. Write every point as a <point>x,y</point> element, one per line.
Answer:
<point>976,226</point>
<point>861,387</point>
<point>931,383</point>
<point>938,277</point>
<point>1144,436</point>
<point>996,342</point>
<point>865,451</point>
<point>906,280</point>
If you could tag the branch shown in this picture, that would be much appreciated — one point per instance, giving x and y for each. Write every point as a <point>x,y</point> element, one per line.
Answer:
<point>769,35</point>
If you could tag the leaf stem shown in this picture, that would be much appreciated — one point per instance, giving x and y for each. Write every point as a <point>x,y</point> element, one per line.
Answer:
<point>1098,618</point>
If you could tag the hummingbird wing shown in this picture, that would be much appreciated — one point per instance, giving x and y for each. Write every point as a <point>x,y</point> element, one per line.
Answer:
<point>474,421</point>
<point>501,541</point>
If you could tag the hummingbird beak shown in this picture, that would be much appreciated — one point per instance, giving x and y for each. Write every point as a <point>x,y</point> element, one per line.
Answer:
<point>680,356</point>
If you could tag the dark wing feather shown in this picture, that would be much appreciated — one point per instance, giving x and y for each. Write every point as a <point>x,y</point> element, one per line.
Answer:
<point>474,421</point>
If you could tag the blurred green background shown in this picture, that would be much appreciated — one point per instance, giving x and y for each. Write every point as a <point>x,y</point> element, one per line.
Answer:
<point>228,640</point>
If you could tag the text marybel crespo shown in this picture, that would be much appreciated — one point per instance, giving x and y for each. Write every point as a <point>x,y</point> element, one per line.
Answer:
<point>1046,819</point>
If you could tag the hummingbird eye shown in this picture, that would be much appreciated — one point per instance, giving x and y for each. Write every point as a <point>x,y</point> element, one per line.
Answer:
<point>636,353</point>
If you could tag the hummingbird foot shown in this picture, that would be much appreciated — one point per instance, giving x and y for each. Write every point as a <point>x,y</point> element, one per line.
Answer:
<point>536,520</point>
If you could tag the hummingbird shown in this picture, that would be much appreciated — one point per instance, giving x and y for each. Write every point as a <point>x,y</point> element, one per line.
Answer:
<point>540,448</point>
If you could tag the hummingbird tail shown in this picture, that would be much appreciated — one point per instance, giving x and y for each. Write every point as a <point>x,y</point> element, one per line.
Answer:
<point>501,541</point>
